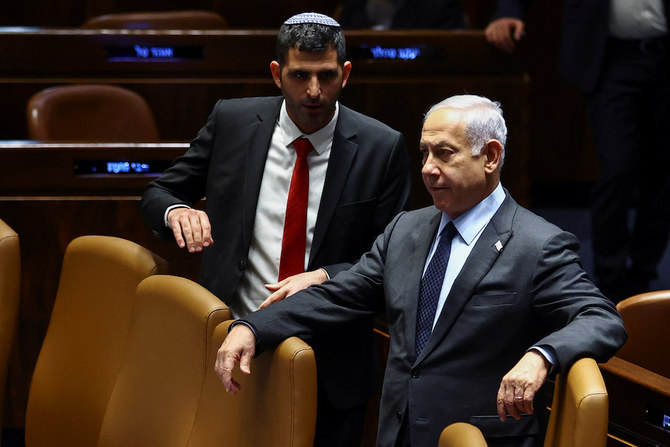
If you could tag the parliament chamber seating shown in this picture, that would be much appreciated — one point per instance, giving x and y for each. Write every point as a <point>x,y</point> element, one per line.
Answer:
<point>167,357</point>
<point>578,417</point>
<point>10,292</point>
<point>85,341</point>
<point>188,19</point>
<point>90,112</point>
<point>275,407</point>
<point>638,376</point>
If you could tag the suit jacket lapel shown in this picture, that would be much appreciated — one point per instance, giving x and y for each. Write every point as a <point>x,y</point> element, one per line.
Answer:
<point>258,144</point>
<point>479,262</point>
<point>342,153</point>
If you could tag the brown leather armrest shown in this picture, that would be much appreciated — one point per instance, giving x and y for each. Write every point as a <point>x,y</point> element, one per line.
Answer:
<point>638,375</point>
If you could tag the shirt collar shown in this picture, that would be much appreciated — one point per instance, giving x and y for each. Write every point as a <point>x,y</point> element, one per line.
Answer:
<point>472,222</point>
<point>320,139</point>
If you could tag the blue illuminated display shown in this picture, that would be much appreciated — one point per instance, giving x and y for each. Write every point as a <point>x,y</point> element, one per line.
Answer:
<point>116,167</point>
<point>408,53</point>
<point>153,52</point>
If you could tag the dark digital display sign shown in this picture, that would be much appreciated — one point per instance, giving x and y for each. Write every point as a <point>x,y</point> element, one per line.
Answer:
<point>120,167</point>
<point>154,53</point>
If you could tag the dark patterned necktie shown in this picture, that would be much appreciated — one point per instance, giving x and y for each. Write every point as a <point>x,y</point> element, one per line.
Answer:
<point>431,285</point>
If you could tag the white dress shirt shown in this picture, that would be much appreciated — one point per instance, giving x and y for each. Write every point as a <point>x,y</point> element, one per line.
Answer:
<point>266,241</point>
<point>637,19</point>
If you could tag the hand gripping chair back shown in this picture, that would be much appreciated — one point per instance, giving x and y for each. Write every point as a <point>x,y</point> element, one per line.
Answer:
<point>579,412</point>
<point>84,345</point>
<point>275,407</point>
<point>90,112</point>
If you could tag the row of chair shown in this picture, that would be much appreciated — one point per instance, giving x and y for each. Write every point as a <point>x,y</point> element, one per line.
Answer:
<point>128,360</point>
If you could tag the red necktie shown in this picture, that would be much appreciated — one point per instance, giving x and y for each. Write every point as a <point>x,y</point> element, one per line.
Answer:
<point>292,259</point>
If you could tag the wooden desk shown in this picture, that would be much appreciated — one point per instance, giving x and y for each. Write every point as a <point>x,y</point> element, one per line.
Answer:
<point>411,71</point>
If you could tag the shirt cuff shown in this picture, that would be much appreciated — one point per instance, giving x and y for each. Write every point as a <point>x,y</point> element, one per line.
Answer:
<point>247,324</point>
<point>170,208</point>
<point>548,353</point>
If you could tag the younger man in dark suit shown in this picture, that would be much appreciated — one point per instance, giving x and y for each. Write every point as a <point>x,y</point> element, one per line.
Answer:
<point>483,298</point>
<point>353,179</point>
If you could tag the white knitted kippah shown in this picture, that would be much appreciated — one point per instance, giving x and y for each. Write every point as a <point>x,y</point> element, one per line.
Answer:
<point>311,17</point>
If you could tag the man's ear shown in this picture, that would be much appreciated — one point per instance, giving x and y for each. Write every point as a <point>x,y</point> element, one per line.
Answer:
<point>346,71</point>
<point>275,69</point>
<point>492,152</point>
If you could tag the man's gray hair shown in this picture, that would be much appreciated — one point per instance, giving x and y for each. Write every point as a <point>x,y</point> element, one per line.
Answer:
<point>483,120</point>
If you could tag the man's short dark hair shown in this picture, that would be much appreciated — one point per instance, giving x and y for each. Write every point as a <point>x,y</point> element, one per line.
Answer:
<point>310,37</point>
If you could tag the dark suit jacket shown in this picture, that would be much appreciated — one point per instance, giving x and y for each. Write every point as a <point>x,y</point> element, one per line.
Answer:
<point>583,38</point>
<point>532,292</point>
<point>367,183</point>
<point>408,14</point>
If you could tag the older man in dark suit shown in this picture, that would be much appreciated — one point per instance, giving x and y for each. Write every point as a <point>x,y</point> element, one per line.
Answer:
<point>276,211</point>
<point>483,298</point>
<point>616,52</point>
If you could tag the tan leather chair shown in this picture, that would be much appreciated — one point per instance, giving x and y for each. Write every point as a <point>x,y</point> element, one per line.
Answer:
<point>190,19</point>
<point>461,434</point>
<point>10,292</point>
<point>578,417</point>
<point>647,317</point>
<point>275,407</point>
<point>638,376</point>
<point>157,391</point>
<point>84,345</point>
<point>90,112</point>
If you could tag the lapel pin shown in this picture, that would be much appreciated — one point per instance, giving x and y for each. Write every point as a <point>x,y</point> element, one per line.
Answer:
<point>498,245</point>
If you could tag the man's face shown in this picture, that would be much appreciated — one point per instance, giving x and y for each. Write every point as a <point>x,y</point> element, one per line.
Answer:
<point>455,178</point>
<point>311,84</point>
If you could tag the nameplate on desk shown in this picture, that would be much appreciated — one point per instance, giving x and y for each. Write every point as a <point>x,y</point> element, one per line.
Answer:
<point>403,53</point>
<point>108,168</point>
<point>657,417</point>
<point>154,53</point>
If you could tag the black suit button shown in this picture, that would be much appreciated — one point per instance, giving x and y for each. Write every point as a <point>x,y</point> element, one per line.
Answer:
<point>399,416</point>
<point>242,264</point>
<point>414,374</point>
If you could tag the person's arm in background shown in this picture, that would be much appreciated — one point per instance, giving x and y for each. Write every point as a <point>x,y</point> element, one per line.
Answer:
<point>507,28</point>
<point>166,203</point>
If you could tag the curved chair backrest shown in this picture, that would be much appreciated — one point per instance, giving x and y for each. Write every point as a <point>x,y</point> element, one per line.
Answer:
<point>276,405</point>
<point>85,341</point>
<point>156,393</point>
<point>190,19</point>
<point>461,434</point>
<point>10,292</point>
<point>579,412</point>
<point>646,317</point>
<point>90,112</point>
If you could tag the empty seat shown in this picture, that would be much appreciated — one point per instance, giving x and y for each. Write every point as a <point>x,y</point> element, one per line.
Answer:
<point>10,292</point>
<point>156,394</point>
<point>83,348</point>
<point>190,19</point>
<point>90,112</point>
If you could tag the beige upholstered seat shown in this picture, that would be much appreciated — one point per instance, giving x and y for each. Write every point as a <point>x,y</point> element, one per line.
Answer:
<point>578,413</point>
<point>190,19</point>
<point>159,384</point>
<point>638,376</point>
<point>275,407</point>
<point>10,292</point>
<point>84,345</point>
<point>647,317</point>
<point>90,112</point>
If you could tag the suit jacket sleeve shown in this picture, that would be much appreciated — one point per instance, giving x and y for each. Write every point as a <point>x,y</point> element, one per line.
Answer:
<point>581,322</point>
<point>184,182</point>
